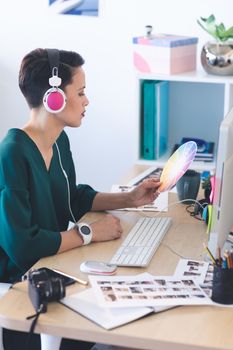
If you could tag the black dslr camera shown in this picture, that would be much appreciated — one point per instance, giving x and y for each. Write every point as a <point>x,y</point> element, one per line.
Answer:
<point>44,287</point>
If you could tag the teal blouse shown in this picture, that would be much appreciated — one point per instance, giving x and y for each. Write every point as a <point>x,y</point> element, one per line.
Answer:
<point>34,202</point>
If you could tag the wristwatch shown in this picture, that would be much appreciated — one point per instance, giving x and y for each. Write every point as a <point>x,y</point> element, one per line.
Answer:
<point>85,231</point>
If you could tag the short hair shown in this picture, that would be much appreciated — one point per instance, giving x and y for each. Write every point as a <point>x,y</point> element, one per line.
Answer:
<point>35,72</point>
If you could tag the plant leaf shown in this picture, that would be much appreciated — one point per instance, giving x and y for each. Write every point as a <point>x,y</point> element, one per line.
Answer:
<point>208,27</point>
<point>229,32</point>
<point>219,32</point>
<point>210,19</point>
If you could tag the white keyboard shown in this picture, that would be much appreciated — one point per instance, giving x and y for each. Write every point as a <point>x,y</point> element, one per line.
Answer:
<point>142,242</point>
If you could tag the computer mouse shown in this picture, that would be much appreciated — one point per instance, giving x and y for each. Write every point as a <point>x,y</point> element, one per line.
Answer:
<point>98,268</point>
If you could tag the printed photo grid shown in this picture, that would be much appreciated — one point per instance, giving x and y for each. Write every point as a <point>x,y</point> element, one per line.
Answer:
<point>121,291</point>
<point>160,203</point>
<point>200,271</point>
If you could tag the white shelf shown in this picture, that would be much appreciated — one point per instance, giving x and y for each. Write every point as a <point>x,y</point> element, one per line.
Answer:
<point>197,102</point>
<point>194,76</point>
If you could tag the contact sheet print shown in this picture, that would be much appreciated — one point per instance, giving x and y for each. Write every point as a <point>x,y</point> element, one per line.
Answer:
<point>159,204</point>
<point>194,269</point>
<point>121,291</point>
<point>200,271</point>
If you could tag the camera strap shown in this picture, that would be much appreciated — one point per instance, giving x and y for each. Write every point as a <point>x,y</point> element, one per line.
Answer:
<point>33,324</point>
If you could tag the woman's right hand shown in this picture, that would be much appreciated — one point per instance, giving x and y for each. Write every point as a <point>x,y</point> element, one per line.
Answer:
<point>106,229</point>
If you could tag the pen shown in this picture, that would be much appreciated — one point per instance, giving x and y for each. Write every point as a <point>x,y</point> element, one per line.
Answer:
<point>209,253</point>
<point>79,280</point>
<point>219,256</point>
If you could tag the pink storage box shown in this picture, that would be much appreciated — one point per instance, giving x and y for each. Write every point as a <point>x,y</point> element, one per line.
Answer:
<point>165,54</point>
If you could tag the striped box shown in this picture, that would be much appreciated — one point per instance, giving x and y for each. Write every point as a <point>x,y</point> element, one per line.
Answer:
<point>165,54</point>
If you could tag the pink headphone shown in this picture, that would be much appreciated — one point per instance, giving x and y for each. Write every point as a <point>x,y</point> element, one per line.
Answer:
<point>54,98</point>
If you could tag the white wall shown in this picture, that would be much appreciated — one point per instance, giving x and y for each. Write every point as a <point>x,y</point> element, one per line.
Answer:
<point>107,137</point>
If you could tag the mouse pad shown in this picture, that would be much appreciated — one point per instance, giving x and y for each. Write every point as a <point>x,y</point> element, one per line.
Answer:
<point>177,165</point>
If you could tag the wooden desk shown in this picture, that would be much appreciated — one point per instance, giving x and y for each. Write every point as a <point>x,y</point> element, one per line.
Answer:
<point>182,328</point>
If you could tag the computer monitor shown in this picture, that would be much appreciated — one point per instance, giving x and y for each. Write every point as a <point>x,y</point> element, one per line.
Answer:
<point>222,212</point>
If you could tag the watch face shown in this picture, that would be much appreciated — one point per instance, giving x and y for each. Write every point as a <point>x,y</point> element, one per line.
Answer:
<point>85,230</point>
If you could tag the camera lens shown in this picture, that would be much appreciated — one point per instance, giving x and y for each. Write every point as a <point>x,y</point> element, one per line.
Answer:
<point>37,276</point>
<point>52,289</point>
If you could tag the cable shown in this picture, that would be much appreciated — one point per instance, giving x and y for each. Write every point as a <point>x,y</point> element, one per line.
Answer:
<point>168,206</point>
<point>198,209</point>
<point>175,252</point>
<point>192,213</point>
<point>178,202</point>
<point>67,182</point>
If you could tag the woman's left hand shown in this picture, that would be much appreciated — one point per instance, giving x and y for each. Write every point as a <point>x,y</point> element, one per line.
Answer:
<point>144,193</point>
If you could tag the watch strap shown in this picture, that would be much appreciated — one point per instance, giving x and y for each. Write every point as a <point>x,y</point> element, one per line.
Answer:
<point>85,231</point>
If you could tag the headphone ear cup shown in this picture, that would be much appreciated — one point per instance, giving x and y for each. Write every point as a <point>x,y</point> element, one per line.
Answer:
<point>54,100</point>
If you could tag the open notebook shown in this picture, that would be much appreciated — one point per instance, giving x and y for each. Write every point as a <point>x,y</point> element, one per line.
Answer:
<point>86,304</point>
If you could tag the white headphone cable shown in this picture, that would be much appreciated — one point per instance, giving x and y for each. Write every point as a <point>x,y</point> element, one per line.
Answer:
<point>67,182</point>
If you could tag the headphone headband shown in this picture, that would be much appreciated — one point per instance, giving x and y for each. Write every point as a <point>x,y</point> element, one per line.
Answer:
<point>54,98</point>
<point>54,58</point>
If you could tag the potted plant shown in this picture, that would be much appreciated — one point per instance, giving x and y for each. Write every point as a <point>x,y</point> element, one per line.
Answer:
<point>217,55</point>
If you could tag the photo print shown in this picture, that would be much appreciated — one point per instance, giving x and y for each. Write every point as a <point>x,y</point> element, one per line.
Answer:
<point>126,291</point>
<point>75,7</point>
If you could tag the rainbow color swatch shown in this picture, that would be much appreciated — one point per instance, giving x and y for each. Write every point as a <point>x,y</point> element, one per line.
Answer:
<point>177,165</point>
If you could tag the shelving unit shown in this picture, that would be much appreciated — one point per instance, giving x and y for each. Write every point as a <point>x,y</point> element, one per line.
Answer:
<point>197,104</point>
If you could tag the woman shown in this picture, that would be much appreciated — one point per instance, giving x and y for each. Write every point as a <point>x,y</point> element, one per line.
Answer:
<point>39,195</point>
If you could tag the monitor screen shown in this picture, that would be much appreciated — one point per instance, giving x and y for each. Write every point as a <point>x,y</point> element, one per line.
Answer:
<point>222,214</point>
